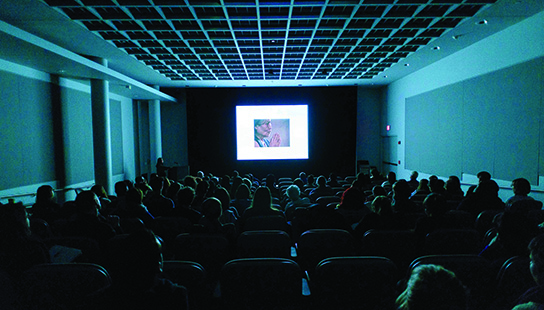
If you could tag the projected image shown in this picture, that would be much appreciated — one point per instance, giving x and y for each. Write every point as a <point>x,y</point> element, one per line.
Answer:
<point>264,136</point>
<point>272,132</point>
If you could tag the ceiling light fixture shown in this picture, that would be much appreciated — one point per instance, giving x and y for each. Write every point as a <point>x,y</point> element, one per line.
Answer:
<point>436,48</point>
<point>407,65</point>
<point>481,22</point>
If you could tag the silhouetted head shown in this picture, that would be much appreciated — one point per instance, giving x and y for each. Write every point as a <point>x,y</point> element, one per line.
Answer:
<point>121,188</point>
<point>414,175</point>
<point>186,196</point>
<point>211,208</point>
<point>483,176</point>
<point>437,186</point>
<point>487,189</point>
<point>433,287</point>
<point>223,196</point>
<point>536,250</point>
<point>134,261</point>
<point>321,181</point>
<point>262,199</point>
<point>99,191</point>
<point>381,205</point>
<point>521,186</point>
<point>401,189</point>
<point>87,203</point>
<point>352,198</point>
<point>45,193</point>
<point>243,192</point>
<point>435,205</point>
<point>14,221</point>
<point>293,192</point>
<point>134,196</point>
<point>378,190</point>
<point>391,177</point>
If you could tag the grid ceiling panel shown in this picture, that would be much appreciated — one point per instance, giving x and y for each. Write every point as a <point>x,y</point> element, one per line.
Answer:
<point>269,39</point>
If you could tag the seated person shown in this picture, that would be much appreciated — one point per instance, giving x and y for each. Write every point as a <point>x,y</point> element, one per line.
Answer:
<point>521,188</point>
<point>352,205</point>
<point>433,287</point>
<point>46,208</point>
<point>322,189</point>
<point>381,217</point>
<point>514,232</point>
<point>242,199</point>
<point>19,250</point>
<point>260,206</point>
<point>210,221</point>
<point>536,250</point>
<point>87,222</point>
<point>134,263</point>
<point>295,201</point>
<point>485,197</point>
<point>184,208</point>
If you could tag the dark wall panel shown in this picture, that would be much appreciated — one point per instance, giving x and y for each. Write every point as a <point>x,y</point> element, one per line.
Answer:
<point>491,122</point>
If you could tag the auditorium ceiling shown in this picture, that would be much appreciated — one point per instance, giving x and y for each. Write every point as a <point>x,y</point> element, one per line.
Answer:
<point>222,43</point>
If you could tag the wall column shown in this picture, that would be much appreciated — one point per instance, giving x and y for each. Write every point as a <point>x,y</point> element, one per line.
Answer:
<point>100,103</point>
<point>155,132</point>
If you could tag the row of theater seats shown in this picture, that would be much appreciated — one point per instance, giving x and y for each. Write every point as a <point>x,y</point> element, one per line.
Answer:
<point>350,282</point>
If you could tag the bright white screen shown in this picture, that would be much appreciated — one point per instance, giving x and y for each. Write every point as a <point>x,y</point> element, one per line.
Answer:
<point>289,121</point>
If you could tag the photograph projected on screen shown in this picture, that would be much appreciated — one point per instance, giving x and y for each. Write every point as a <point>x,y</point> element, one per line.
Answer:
<point>272,132</point>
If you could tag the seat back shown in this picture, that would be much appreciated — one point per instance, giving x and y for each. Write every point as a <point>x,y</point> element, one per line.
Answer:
<point>261,283</point>
<point>271,222</point>
<point>62,286</point>
<point>362,282</point>
<point>192,276</point>
<point>317,244</point>
<point>325,200</point>
<point>452,241</point>
<point>473,271</point>
<point>513,279</point>
<point>209,250</point>
<point>484,221</point>
<point>264,243</point>
<point>397,245</point>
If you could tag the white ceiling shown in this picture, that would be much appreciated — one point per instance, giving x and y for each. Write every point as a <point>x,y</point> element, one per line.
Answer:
<point>232,43</point>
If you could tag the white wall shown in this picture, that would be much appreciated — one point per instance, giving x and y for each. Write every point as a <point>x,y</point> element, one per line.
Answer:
<point>517,44</point>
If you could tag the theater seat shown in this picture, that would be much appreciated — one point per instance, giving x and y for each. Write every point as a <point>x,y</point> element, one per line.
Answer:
<point>261,283</point>
<point>265,243</point>
<point>62,286</point>
<point>362,282</point>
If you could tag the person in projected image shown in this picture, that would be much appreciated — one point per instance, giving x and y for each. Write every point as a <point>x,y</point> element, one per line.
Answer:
<point>263,129</point>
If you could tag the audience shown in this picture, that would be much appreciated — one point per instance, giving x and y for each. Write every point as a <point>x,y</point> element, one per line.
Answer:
<point>134,261</point>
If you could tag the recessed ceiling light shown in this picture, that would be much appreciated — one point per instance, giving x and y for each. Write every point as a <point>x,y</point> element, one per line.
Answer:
<point>481,22</point>
<point>407,65</point>
<point>436,48</point>
<point>385,76</point>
